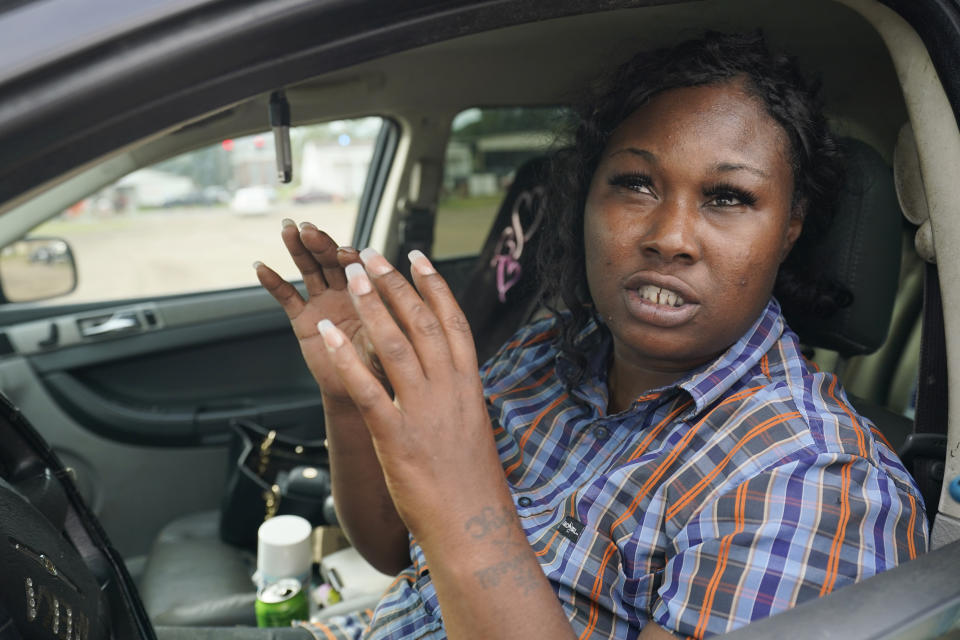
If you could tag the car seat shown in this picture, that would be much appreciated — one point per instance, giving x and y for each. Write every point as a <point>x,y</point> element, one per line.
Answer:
<point>502,289</point>
<point>193,578</point>
<point>861,252</point>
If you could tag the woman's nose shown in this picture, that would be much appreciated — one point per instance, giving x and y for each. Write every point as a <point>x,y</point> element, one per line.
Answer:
<point>671,233</point>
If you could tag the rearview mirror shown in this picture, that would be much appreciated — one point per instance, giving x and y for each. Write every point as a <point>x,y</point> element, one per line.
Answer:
<point>36,269</point>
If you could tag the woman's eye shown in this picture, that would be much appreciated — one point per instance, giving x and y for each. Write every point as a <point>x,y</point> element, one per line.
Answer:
<point>633,181</point>
<point>730,198</point>
<point>726,201</point>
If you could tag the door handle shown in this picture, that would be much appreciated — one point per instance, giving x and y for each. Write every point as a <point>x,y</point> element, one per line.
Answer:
<point>119,322</point>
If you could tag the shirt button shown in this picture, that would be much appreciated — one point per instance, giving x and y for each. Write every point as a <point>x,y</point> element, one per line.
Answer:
<point>525,501</point>
<point>601,433</point>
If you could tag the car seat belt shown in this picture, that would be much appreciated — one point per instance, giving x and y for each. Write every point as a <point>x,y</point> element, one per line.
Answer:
<point>416,232</point>
<point>924,452</point>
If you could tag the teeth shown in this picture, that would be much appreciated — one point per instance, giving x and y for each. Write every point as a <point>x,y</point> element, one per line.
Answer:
<point>657,295</point>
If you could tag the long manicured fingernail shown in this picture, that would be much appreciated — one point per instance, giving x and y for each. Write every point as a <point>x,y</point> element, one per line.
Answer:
<point>287,222</point>
<point>420,263</point>
<point>330,334</point>
<point>357,279</point>
<point>257,265</point>
<point>375,262</point>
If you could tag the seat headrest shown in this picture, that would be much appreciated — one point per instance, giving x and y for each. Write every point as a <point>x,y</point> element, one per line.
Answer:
<point>861,252</point>
<point>503,287</point>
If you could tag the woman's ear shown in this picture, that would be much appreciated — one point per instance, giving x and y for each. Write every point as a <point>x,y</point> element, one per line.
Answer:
<point>794,227</point>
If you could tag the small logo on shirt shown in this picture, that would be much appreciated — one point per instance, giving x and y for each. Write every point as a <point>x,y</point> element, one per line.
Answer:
<point>570,528</point>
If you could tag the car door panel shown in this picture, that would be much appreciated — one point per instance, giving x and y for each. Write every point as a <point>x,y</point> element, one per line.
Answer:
<point>142,415</point>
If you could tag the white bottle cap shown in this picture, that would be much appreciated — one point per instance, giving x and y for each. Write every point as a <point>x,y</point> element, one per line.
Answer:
<point>284,550</point>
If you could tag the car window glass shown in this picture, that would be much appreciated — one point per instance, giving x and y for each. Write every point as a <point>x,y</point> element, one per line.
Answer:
<point>197,221</point>
<point>486,148</point>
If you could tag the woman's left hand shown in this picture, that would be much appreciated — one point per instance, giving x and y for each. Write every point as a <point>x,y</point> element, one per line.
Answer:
<point>433,439</point>
<point>435,444</point>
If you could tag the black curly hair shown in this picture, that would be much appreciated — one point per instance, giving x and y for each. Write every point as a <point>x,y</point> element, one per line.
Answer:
<point>776,80</point>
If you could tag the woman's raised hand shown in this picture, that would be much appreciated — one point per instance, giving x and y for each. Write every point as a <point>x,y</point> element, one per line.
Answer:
<point>322,264</point>
<point>436,448</point>
<point>433,437</point>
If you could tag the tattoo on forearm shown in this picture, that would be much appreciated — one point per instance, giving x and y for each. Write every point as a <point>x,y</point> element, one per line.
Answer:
<point>480,526</point>
<point>515,567</point>
<point>524,576</point>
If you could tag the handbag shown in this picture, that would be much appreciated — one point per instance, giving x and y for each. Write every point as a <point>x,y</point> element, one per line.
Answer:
<point>272,475</point>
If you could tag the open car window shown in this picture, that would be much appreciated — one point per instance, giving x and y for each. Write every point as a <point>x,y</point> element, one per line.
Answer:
<point>195,222</point>
<point>486,147</point>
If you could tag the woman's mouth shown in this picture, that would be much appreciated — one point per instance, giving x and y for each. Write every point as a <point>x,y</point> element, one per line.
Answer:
<point>660,296</point>
<point>660,306</point>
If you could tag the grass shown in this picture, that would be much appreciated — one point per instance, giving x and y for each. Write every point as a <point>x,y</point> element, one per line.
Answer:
<point>462,225</point>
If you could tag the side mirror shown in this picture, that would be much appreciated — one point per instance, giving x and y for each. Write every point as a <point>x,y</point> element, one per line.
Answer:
<point>36,269</point>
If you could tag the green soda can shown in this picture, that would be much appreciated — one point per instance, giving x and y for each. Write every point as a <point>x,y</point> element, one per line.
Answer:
<point>281,603</point>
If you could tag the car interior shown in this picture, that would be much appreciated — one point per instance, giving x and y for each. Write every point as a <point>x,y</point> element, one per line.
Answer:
<point>136,390</point>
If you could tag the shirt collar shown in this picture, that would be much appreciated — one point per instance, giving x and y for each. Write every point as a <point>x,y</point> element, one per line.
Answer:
<point>709,384</point>
<point>704,385</point>
<point>594,341</point>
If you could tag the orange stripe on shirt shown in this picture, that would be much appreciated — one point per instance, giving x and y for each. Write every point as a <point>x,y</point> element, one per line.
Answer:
<point>765,366</point>
<point>833,562</point>
<point>739,518</point>
<point>326,632</point>
<point>856,424</point>
<point>642,447</point>
<point>655,477</point>
<point>674,454</point>
<point>595,592</point>
<point>396,580</point>
<point>540,337</point>
<point>684,500</point>
<point>882,438</point>
<point>533,425</point>
<point>543,551</point>
<point>536,384</point>
<point>911,547</point>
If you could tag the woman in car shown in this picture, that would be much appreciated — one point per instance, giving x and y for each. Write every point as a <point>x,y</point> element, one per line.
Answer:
<point>659,458</point>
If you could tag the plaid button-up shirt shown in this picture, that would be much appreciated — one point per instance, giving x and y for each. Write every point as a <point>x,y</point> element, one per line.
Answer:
<point>743,489</point>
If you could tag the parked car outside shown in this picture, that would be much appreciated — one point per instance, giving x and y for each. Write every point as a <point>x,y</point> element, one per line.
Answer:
<point>252,201</point>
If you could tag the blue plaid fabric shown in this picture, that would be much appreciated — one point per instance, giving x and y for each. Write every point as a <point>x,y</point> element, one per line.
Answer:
<point>745,488</point>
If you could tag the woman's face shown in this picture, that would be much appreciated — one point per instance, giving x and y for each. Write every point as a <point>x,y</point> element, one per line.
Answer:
<point>687,219</point>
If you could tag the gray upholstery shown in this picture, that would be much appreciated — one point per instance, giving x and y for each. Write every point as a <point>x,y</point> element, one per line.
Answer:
<point>861,251</point>
<point>193,578</point>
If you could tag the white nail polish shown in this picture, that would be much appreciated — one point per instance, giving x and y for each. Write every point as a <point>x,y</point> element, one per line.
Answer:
<point>368,253</point>
<point>420,263</point>
<point>374,262</point>
<point>357,279</point>
<point>330,334</point>
<point>257,265</point>
<point>287,222</point>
